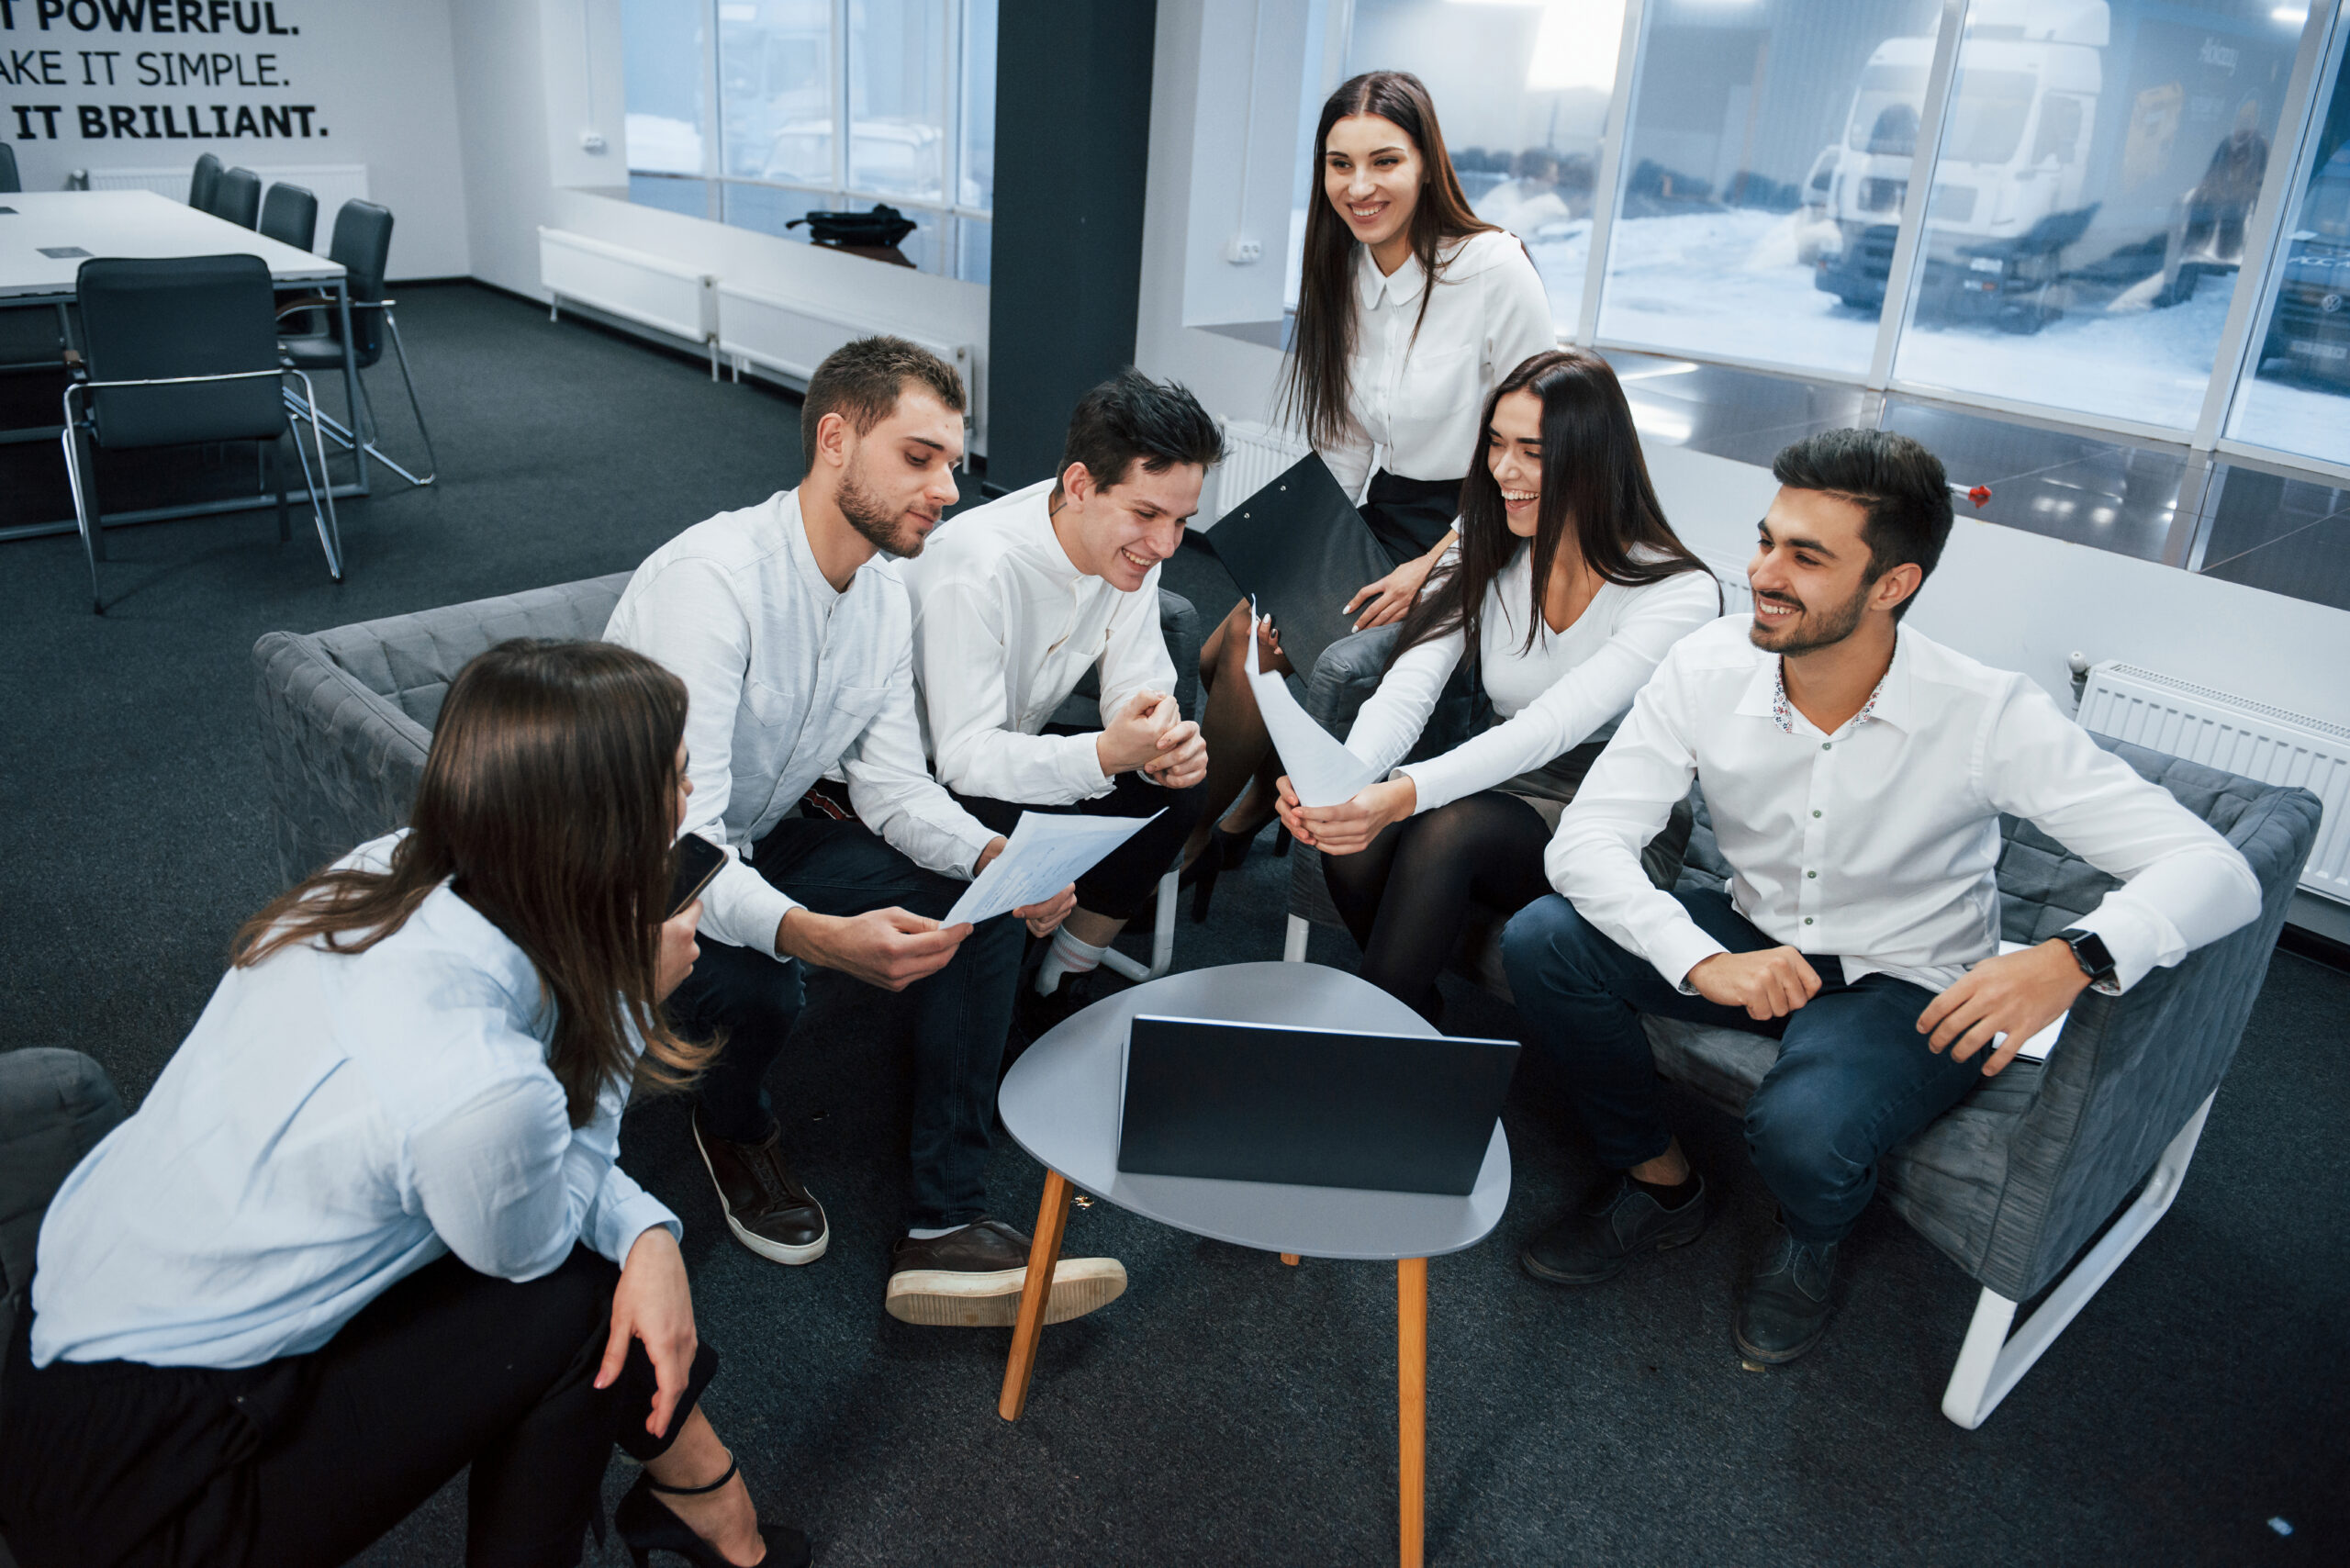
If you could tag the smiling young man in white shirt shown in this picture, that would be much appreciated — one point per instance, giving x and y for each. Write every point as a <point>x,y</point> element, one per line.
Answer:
<point>1854,772</point>
<point>1017,600</point>
<point>795,641</point>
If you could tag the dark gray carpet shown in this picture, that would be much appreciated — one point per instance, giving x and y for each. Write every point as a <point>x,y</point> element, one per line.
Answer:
<point>1229,1409</point>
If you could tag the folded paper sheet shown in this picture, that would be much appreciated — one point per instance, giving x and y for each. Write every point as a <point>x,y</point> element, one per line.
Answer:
<point>1320,769</point>
<point>1045,853</point>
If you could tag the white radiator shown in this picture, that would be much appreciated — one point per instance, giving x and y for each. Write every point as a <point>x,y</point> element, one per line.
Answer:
<point>1254,455</point>
<point>332,184</point>
<point>2240,735</point>
<point>791,338</point>
<point>1737,598</point>
<point>669,296</point>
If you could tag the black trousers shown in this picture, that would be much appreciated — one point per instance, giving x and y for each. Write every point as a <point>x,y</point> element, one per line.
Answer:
<point>306,1459</point>
<point>961,1013</point>
<point>1118,886</point>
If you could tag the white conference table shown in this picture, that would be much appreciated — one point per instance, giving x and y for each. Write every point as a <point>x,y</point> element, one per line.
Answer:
<point>45,236</point>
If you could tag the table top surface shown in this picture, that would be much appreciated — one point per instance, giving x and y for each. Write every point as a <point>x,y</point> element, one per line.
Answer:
<point>124,223</point>
<point>1062,1098</point>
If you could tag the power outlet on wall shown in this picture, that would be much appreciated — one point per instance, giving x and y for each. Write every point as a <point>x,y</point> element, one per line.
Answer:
<point>592,142</point>
<point>1240,250</point>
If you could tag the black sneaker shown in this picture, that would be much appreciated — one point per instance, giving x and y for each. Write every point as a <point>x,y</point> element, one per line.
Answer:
<point>1034,1016</point>
<point>766,1208</point>
<point>1783,1309</point>
<point>972,1278</point>
<point>1618,1222</point>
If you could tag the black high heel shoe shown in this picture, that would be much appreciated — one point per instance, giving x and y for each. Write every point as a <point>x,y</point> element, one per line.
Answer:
<point>647,1526</point>
<point>1224,851</point>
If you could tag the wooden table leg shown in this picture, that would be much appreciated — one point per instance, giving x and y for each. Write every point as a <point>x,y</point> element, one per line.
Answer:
<point>1044,1257</point>
<point>1412,1399</point>
<point>1291,1259</point>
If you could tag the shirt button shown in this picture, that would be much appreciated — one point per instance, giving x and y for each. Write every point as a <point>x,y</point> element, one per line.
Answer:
<point>1806,919</point>
<point>1828,745</point>
<point>1815,814</point>
<point>1811,873</point>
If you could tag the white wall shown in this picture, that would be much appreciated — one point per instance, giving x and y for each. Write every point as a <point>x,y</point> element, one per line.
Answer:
<point>376,78</point>
<point>531,75</point>
<point>1244,142</point>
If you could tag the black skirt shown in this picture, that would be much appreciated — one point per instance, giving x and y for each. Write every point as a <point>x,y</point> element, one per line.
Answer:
<point>1408,516</point>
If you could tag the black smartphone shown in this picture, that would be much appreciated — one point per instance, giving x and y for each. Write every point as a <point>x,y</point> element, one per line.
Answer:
<point>697,861</point>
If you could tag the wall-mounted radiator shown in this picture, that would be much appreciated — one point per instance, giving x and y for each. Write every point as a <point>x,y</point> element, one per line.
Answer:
<point>2240,735</point>
<point>332,184</point>
<point>652,290</point>
<point>790,339</point>
<point>1254,455</point>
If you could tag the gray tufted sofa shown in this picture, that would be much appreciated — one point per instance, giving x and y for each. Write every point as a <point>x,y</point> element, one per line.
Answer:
<point>2019,1177</point>
<point>346,714</point>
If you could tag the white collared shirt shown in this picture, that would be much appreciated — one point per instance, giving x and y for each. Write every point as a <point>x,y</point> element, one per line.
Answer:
<point>1878,844</point>
<point>1004,626</point>
<point>333,1123</point>
<point>1417,400</point>
<point>1569,688</point>
<point>787,681</point>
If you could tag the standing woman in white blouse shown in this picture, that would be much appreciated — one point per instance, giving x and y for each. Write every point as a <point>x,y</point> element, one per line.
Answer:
<point>1562,501</point>
<point>1410,310</point>
<point>369,1227</point>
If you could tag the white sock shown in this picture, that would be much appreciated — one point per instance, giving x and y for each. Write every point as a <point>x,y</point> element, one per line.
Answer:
<point>919,1234</point>
<point>1067,956</point>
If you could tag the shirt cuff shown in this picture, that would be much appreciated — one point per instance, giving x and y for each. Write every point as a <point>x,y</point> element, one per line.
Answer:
<point>1081,767</point>
<point>1432,786</point>
<point>1680,949</point>
<point>619,1224</point>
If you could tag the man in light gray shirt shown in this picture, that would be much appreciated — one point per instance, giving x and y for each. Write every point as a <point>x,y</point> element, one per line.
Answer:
<point>795,644</point>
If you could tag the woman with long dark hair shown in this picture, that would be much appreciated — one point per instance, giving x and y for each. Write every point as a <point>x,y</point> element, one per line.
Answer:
<point>1566,589</point>
<point>368,1229</point>
<point>1410,309</point>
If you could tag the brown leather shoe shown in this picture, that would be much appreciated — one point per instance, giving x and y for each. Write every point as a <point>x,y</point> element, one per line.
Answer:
<point>972,1278</point>
<point>766,1208</point>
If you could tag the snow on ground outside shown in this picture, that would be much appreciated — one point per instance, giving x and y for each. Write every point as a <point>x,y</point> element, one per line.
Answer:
<point>1728,284</point>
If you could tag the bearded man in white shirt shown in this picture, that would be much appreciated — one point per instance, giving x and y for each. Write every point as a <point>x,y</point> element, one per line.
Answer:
<point>795,642</point>
<point>1854,772</point>
<point>1016,601</point>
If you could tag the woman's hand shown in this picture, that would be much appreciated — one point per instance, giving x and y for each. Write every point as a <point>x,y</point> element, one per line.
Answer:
<point>653,1304</point>
<point>678,950</point>
<point>1046,918</point>
<point>1392,595</point>
<point>1349,827</point>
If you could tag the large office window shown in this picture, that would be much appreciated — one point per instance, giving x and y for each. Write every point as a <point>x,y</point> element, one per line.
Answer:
<point>1521,88</point>
<point>759,112</point>
<point>2296,392</point>
<point>2098,173</point>
<point>1764,177</point>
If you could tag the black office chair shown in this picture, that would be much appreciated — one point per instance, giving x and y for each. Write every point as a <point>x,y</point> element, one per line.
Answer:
<point>8,181</point>
<point>290,215</point>
<point>362,243</point>
<point>181,352</point>
<point>237,198</point>
<point>203,183</point>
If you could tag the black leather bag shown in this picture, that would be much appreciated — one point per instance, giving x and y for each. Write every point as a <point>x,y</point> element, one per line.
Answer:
<point>884,226</point>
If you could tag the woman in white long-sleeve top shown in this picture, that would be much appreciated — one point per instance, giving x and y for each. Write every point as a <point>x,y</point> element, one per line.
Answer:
<point>1562,500</point>
<point>369,1227</point>
<point>1411,308</point>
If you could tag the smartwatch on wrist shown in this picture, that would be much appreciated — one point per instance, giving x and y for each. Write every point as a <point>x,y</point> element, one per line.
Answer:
<point>2089,952</point>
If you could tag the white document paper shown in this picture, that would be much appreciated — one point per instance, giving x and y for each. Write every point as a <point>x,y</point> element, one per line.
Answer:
<point>2039,1045</point>
<point>1320,769</point>
<point>1045,853</point>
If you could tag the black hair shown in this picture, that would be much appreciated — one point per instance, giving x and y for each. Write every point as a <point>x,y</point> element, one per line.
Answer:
<point>1130,418</point>
<point>1897,483</point>
<point>862,380</point>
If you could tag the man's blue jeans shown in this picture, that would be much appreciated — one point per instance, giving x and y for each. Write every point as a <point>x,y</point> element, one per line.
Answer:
<point>1853,1077</point>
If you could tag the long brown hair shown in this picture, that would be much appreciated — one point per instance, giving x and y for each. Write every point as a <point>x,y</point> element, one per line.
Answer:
<point>1317,392</point>
<point>548,802</point>
<point>1594,480</point>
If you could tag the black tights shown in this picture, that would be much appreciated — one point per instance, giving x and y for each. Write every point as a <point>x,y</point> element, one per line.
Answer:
<point>1406,896</point>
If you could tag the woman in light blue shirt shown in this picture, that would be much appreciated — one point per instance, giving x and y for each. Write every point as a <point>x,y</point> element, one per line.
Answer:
<point>369,1227</point>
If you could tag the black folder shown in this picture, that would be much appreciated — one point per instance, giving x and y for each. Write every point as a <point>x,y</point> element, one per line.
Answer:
<point>1301,548</point>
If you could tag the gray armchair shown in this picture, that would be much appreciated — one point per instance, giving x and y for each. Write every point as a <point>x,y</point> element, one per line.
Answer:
<point>2019,1177</point>
<point>346,714</point>
<point>54,1107</point>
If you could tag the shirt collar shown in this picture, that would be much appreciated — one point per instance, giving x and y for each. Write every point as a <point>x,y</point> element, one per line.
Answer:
<point>1401,287</point>
<point>1045,542</point>
<point>803,556</point>
<point>1766,693</point>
